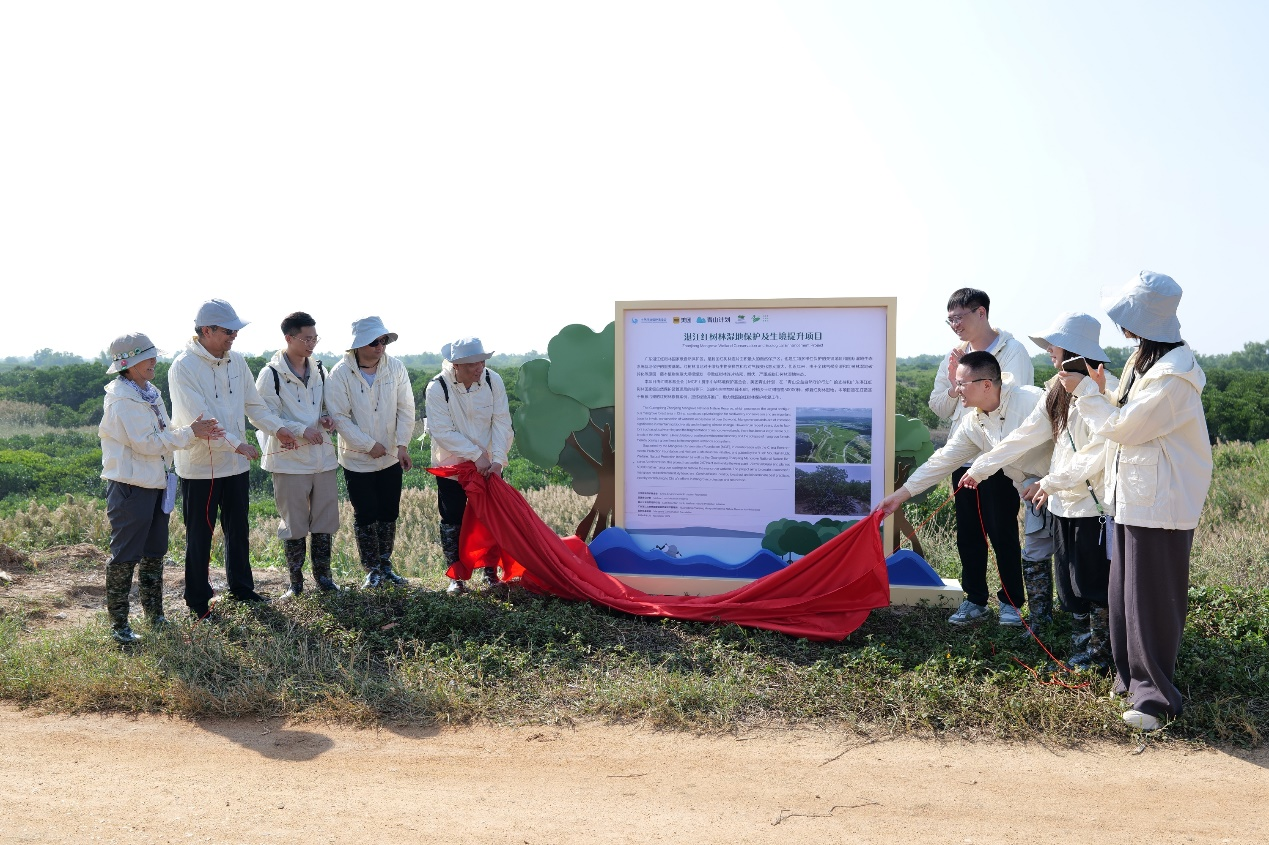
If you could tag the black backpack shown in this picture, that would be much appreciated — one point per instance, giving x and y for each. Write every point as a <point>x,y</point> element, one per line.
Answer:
<point>445,387</point>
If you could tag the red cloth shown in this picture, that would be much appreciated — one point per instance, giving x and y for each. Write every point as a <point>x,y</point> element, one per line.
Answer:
<point>823,596</point>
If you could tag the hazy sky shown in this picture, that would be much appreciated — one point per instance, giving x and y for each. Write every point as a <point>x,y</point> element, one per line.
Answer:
<point>504,169</point>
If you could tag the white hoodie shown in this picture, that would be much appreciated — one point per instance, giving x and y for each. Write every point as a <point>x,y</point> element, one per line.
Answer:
<point>1074,482</point>
<point>220,388</point>
<point>366,414</point>
<point>133,449</point>
<point>979,432</point>
<point>471,422</point>
<point>1159,458</point>
<point>300,405</point>
<point>1013,359</point>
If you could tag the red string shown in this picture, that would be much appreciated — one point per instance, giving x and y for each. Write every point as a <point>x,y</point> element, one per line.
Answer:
<point>982,523</point>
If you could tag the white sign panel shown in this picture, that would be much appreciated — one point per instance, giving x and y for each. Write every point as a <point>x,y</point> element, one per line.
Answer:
<point>738,414</point>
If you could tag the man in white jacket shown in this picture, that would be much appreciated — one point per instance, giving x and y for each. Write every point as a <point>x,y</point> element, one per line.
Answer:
<point>372,403</point>
<point>468,419</point>
<point>968,311</point>
<point>997,407</point>
<point>210,380</point>
<point>293,385</point>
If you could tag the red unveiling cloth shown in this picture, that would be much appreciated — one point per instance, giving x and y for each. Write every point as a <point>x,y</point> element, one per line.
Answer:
<point>823,596</point>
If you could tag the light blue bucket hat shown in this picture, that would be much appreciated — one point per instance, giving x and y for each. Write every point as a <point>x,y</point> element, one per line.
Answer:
<point>1077,333</point>
<point>468,350</point>
<point>367,329</point>
<point>1147,307</point>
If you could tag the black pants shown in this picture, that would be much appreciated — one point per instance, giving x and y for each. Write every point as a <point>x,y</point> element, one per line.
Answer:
<point>998,500</point>
<point>1080,562</point>
<point>375,496</point>
<point>203,501</point>
<point>451,501</point>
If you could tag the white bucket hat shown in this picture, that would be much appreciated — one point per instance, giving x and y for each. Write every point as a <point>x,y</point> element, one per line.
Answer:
<point>469,350</point>
<point>1077,333</point>
<point>1147,307</point>
<point>217,312</point>
<point>367,329</point>
<point>129,349</point>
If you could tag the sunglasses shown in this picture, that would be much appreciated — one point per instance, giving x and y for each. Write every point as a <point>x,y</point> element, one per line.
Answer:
<point>229,332</point>
<point>383,341</point>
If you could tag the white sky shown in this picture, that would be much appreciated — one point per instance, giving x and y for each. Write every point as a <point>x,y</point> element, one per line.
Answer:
<point>505,169</point>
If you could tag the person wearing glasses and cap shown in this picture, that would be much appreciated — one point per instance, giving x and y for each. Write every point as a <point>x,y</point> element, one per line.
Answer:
<point>997,407</point>
<point>372,403</point>
<point>209,379</point>
<point>293,385</point>
<point>1070,495</point>
<point>968,312</point>
<point>1158,470</point>
<point>137,444</point>
<point>468,419</point>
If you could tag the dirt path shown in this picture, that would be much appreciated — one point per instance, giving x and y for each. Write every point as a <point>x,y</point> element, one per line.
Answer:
<point>114,779</point>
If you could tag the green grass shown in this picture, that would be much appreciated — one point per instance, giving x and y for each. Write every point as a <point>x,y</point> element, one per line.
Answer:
<point>420,657</point>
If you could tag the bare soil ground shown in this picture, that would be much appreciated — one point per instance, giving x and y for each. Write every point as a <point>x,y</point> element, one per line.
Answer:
<point>154,779</point>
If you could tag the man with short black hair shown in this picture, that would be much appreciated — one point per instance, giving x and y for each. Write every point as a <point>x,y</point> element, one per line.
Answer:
<point>293,385</point>
<point>210,380</point>
<point>995,406</point>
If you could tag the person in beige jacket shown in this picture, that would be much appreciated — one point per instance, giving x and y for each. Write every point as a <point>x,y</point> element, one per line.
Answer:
<point>293,385</point>
<point>468,419</point>
<point>137,444</point>
<point>209,379</point>
<point>999,406</point>
<point>372,403</point>
<point>1158,470</point>
<point>1071,492</point>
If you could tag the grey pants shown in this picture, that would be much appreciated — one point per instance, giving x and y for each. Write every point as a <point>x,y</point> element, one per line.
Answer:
<point>1148,592</point>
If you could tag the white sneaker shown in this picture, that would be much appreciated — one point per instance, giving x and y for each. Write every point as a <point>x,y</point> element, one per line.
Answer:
<point>968,612</point>
<point>1010,617</point>
<point>1141,721</point>
<point>456,587</point>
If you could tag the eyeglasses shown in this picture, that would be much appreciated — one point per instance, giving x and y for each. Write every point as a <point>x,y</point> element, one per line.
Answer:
<point>307,341</point>
<point>955,320</point>
<point>965,384</point>
<point>229,332</point>
<point>382,341</point>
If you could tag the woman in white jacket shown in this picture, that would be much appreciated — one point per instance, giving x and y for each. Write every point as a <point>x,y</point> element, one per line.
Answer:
<point>1072,490</point>
<point>1158,469</point>
<point>137,443</point>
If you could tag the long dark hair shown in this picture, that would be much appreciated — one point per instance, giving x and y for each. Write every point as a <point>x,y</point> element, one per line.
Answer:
<point>1150,351</point>
<point>1057,401</point>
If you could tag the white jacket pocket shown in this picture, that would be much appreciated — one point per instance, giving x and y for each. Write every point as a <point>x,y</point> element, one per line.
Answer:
<point>1139,475</point>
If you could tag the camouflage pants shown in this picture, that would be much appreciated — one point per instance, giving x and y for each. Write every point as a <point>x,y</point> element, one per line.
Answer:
<point>119,585</point>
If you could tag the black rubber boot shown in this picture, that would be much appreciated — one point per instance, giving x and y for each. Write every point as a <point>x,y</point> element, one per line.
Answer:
<point>1096,656</point>
<point>449,548</point>
<point>295,550</point>
<point>321,563</point>
<point>368,550</point>
<point>489,577</point>
<point>150,585</point>
<point>387,541</point>
<point>1038,577</point>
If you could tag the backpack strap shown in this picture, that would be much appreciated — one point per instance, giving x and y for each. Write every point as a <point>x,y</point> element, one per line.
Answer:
<point>277,380</point>
<point>444,386</point>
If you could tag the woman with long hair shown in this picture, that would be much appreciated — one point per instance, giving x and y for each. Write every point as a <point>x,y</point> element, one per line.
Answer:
<point>1069,497</point>
<point>1158,470</point>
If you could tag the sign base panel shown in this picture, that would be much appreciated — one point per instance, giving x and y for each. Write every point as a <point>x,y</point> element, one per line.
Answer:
<point>948,595</point>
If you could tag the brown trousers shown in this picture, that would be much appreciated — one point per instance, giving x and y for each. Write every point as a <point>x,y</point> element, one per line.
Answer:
<point>1148,592</point>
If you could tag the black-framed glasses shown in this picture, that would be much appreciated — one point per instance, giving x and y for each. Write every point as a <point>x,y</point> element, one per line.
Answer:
<point>379,341</point>
<point>965,384</point>
<point>228,332</point>
<point>955,320</point>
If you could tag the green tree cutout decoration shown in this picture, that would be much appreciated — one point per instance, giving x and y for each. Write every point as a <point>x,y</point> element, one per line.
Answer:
<point>566,416</point>
<point>912,447</point>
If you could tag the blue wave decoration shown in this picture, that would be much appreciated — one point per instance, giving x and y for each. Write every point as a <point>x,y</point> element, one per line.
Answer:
<point>615,553</point>
<point>908,569</point>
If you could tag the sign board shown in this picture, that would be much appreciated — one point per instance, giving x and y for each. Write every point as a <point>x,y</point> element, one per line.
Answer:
<point>732,414</point>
